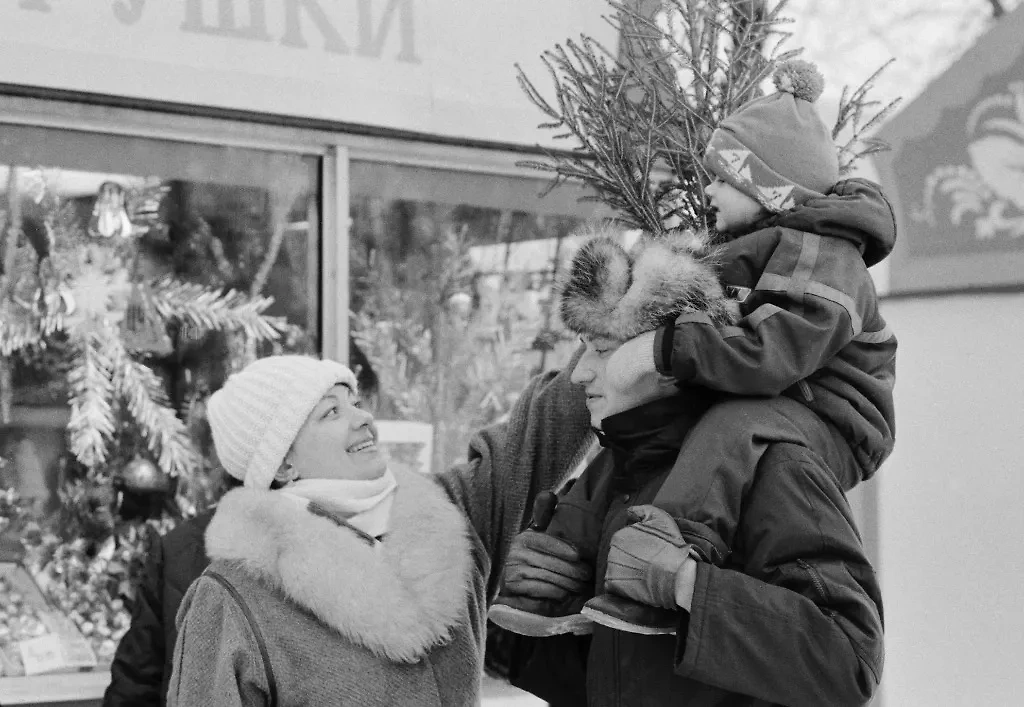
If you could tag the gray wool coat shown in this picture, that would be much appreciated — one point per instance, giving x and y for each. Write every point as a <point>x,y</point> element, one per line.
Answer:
<point>344,622</point>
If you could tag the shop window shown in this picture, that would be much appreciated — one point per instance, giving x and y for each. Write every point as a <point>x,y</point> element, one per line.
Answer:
<point>451,285</point>
<point>133,243</point>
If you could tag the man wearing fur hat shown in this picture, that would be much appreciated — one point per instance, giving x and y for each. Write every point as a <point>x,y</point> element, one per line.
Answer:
<point>792,616</point>
<point>747,543</point>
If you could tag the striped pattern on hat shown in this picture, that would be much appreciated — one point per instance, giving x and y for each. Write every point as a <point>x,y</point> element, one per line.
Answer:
<point>258,412</point>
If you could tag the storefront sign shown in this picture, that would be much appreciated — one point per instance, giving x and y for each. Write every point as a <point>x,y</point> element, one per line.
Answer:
<point>438,68</point>
<point>956,172</point>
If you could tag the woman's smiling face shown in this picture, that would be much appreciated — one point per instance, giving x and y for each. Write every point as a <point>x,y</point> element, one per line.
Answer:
<point>338,440</point>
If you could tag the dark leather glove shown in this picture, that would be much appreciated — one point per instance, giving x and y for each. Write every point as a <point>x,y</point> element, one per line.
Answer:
<point>644,557</point>
<point>543,567</point>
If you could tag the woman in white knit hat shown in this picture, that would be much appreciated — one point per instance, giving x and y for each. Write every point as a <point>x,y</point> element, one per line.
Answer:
<point>335,581</point>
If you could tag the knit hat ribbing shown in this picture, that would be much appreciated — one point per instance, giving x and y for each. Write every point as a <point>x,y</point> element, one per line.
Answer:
<point>776,149</point>
<point>255,416</point>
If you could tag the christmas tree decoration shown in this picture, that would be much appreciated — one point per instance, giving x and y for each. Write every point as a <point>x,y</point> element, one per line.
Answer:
<point>109,215</point>
<point>14,510</point>
<point>93,585</point>
<point>81,286</point>
<point>142,331</point>
<point>97,312</point>
<point>142,476</point>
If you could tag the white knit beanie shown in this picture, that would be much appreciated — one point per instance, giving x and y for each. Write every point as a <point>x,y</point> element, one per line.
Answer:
<point>255,416</point>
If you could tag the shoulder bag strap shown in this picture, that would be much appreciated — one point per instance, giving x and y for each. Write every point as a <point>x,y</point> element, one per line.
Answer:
<point>264,654</point>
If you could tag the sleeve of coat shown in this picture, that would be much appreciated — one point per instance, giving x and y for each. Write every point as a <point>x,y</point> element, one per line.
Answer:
<point>810,302</point>
<point>801,625</point>
<point>216,658</point>
<point>509,463</point>
<point>137,671</point>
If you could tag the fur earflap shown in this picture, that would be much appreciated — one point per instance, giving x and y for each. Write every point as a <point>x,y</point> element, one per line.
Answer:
<point>609,292</point>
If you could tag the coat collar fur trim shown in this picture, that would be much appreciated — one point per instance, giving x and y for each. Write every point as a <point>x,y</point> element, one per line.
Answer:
<point>397,599</point>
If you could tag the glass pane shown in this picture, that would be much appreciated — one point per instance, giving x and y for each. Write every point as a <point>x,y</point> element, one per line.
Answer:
<point>451,292</point>
<point>125,249</point>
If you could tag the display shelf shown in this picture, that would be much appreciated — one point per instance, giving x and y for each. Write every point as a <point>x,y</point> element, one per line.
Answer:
<point>65,689</point>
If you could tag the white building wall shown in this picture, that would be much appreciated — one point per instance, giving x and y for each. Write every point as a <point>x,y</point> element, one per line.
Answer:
<point>951,504</point>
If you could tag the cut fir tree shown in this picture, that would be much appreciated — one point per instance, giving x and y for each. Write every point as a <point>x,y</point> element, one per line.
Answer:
<point>636,123</point>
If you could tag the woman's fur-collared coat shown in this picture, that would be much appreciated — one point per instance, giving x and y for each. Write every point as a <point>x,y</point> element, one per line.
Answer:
<point>345,623</point>
<point>339,616</point>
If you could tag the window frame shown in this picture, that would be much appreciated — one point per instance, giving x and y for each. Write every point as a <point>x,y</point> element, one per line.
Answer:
<point>335,148</point>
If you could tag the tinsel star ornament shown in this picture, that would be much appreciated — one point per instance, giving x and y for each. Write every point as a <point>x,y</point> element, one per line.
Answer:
<point>109,213</point>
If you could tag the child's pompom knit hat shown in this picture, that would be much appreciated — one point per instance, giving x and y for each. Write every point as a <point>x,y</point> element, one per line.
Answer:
<point>257,413</point>
<point>776,149</point>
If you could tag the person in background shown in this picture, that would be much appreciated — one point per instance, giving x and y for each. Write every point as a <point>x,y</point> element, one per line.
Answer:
<point>141,668</point>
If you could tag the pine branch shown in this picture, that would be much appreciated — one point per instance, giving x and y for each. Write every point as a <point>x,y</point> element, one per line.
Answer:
<point>143,393</point>
<point>92,422</point>
<point>596,105</point>
<point>203,310</point>
<point>640,123</point>
<point>701,60</point>
<point>852,107</point>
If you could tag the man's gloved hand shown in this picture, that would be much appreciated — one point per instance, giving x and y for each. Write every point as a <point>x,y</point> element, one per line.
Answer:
<point>632,360</point>
<point>541,566</point>
<point>645,557</point>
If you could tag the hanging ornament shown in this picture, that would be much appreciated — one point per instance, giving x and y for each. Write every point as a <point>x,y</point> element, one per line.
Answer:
<point>109,214</point>
<point>25,291</point>
<point>142,476</point>
<point>141,329</point>
<point>59,302</point>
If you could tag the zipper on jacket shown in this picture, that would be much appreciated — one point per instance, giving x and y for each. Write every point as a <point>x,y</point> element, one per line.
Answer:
<point>816,579</point>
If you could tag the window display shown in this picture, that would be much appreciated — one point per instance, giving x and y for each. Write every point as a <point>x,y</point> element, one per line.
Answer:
<point>451,283</point>
<point>135,275</point>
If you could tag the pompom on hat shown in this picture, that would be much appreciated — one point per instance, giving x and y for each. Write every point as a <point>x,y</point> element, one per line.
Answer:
<point>612,293</point>
<point>257,413</point>
<point>776,149</point>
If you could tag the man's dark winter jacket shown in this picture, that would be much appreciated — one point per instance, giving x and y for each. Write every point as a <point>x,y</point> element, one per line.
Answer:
<point>811,327</point>
<point>794,617</point>
<point>142,665</point>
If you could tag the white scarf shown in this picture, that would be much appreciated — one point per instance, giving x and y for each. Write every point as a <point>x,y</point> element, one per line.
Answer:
<point>365,503</point>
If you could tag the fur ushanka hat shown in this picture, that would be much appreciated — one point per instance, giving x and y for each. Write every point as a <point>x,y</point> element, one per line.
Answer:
<point>611,293</point>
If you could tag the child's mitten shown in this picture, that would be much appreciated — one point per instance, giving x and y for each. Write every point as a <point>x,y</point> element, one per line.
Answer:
<point>645,557</point>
